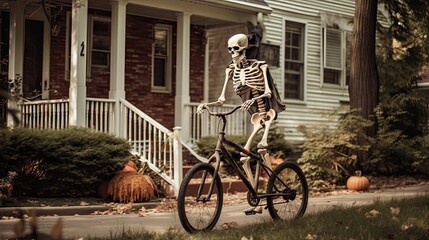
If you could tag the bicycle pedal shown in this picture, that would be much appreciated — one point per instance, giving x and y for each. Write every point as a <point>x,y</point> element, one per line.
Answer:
<point>253,210</point>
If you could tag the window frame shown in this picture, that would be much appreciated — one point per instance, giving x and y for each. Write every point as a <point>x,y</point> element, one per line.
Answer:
<point>168,68</point>
<point>343,69</point>
<point>304,40</point>
<point>91,43</point>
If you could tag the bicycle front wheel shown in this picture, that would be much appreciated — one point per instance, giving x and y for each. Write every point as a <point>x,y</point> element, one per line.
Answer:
<point>290,187</point>
<point>197,210</point>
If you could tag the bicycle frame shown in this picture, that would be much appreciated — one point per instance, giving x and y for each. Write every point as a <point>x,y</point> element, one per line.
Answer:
<point>220,148</point>
<point>200,211</point>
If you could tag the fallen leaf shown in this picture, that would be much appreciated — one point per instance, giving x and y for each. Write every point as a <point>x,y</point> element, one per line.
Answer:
<point>245,238</point>
<point>395,211</point>
<point>230,225</point>
<point>83,203</point>
<point>372,214</point>
<point>406,227</point>
<point>311,236</point>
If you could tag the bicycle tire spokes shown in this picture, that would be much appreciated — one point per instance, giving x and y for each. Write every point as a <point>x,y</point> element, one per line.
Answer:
<point>198,209</point>
<point>290,188</point>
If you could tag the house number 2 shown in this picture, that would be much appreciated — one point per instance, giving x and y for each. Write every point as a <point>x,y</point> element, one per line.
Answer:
<point>82,49</point>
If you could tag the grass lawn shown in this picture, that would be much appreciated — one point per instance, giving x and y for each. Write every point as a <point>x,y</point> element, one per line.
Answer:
<point>397,219</point>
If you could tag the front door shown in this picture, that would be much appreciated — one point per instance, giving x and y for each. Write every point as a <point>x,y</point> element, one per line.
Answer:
<point>33,59</point>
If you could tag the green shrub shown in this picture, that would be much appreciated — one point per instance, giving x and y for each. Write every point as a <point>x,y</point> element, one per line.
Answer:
<point>395,153</point>
<point>60,163</point>
<point>329,154</point>
<point>277,145</point>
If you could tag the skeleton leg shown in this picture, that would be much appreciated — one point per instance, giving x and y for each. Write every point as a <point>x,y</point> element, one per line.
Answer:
<point>262,145</point>
<point>271,116</point>
<point>256,121</point>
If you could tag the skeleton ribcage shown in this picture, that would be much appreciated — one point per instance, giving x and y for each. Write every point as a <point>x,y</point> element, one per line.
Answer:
<point>250,78</point>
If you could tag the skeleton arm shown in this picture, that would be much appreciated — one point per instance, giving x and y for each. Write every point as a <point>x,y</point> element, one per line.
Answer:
<point>221,99</point>
<point>267,91</point>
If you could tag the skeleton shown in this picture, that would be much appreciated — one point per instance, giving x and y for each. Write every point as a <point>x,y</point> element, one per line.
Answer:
<point>252,82</point>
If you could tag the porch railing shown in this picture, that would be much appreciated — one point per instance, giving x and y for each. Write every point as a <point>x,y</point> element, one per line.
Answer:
<point>156,145</point>
<point>202,125</point>
<point>45,114</point>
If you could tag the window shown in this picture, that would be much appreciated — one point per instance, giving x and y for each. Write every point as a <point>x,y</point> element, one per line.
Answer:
<point>294,61</point>
<point>100,42</point>
<point>336,56</point>
<point>161,60</point>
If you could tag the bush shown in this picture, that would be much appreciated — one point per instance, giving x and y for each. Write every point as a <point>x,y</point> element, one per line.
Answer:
<point>395,153</point>
<point>277,145</point>
<point>61,163</point>
<point>330,153</point>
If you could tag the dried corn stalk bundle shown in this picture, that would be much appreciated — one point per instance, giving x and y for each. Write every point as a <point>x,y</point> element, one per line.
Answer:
<point>131,187</point>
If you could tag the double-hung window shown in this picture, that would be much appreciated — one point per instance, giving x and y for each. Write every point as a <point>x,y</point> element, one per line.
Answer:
<point>336,56</point>
<point>100,42</point>
<point>294,61</point>
<point>161,58</point>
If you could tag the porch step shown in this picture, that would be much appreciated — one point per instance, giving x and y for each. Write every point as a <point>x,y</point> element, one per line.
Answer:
<point>228,185</point>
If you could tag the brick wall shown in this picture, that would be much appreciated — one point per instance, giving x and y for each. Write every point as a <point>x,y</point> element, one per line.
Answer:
<point>139,31</point>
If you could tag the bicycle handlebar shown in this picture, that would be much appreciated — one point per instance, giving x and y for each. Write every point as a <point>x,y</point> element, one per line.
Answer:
<point>222,113</point>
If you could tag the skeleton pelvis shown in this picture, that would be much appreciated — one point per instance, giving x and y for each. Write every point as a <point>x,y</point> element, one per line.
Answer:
<point>258,120</point>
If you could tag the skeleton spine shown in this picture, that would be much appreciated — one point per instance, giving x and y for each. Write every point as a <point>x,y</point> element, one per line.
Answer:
<point>260,102</point>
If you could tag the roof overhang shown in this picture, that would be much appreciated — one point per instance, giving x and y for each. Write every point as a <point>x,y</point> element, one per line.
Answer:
<point>243,5</point>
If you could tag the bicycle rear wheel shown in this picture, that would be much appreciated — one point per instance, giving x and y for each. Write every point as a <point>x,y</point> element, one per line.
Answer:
<point>289,181</point>
<point>197,212</point>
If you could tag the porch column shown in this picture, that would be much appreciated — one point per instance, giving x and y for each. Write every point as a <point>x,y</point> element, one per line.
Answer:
<point>16,49</point>
<point>181,114</point>
<point>117,59</point>
<point>77,91</point>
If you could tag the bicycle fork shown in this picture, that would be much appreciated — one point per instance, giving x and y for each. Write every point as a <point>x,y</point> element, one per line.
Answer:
<point>204,177</point>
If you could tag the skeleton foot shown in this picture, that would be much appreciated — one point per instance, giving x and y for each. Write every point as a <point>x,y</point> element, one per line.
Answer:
<point>253,210</point>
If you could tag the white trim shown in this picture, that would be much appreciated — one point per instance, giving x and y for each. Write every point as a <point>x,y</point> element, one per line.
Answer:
<point>325,36</point>
<point>46,59</point>
<point>68,46</point>
<point>169,67</point>
<point>304,60</point>
<point>39,16</point>
<point>343,70</point>
<point>244,5</point>
<point>206,68</point>
<point>88,51</point>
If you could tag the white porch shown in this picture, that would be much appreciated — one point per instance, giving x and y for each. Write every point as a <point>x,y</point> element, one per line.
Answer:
<point>159,147</point>
<point>115,115</point>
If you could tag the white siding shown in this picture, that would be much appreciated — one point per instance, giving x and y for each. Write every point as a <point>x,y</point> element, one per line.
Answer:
<point>318,100</point>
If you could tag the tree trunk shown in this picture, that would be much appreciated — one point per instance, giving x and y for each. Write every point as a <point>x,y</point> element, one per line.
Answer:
<point>364,84</point>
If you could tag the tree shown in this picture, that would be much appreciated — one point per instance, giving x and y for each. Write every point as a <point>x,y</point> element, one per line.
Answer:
<point>386,81</point>
<point>364,84</point>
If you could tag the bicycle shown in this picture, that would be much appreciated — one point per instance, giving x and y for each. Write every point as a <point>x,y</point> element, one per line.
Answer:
<point>199,208</point>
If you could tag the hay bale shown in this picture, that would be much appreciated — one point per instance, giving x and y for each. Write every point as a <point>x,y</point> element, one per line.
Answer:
<point>131,187</point>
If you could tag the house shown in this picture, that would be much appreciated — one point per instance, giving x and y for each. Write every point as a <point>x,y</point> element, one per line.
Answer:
<point>134,68</point>
<point>139,68</point>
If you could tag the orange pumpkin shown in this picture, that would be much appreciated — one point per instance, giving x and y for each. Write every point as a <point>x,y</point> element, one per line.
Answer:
<point>358,182</point>
<point>130,167</point>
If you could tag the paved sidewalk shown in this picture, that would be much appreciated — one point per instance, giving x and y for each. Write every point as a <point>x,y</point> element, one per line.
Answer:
<point>103,225</point>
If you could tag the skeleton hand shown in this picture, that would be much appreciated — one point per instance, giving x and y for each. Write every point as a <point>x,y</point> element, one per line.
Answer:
<point>246,105</point>
<point>201,107</point>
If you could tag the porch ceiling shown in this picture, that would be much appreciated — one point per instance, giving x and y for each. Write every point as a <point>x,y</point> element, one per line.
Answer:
<point>204,12</point>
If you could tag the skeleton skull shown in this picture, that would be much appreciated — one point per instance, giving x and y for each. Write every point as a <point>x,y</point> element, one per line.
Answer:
<point>237,46</point>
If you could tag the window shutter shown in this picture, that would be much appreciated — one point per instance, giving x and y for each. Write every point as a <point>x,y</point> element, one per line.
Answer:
<point>332,49</point>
